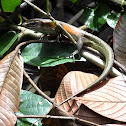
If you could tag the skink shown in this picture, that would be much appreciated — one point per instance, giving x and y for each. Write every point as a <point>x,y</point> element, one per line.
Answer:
<point>46,26</point>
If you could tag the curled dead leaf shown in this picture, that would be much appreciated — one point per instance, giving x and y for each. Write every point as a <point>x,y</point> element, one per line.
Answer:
<point>11,75</point>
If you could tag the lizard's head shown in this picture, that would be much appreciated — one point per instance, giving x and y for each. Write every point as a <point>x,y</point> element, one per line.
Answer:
<point>32,24</point>
<point>40,25</point>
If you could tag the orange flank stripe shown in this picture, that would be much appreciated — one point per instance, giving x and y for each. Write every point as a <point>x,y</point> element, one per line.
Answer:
<point>71,30</point>
<point>53,24</point>
<point>50,24</point>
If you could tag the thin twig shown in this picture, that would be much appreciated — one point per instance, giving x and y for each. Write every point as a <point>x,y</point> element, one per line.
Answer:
<point>78,120</point>
<point>37,89</point>
<point>45,116</point>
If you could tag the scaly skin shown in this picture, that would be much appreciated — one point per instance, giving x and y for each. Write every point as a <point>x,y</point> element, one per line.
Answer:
<point>46,26</point>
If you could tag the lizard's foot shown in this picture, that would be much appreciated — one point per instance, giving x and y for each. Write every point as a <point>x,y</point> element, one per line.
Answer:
<point>73,55</point>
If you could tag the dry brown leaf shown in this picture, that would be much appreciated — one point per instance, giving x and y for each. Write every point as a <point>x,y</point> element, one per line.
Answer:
<point>119,41</point>
<point>109,100</point>
<point>72,83</point>
<point>87,114</point>
<point>11,74</point>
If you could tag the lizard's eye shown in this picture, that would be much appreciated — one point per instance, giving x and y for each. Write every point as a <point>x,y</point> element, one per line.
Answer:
<point>33,24</point>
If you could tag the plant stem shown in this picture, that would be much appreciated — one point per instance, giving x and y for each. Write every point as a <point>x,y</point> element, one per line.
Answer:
<point>48,13</point>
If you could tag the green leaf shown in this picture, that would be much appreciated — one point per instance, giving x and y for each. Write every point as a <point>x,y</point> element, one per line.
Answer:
<point>112,19</point>
<point>47,54</point>
<point>88,15</point>
<point>28,121</point>
<point>10,5</point>
<point>95,18</point>
<point>23,122</point>
<point>32,104</point>
<point>7,40</point>
<point>102,11</point>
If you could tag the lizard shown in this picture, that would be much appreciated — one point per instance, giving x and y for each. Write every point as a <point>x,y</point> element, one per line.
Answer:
<point>46,26</point>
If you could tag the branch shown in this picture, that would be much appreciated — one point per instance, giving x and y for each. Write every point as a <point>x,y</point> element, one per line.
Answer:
<point>25,31</point>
